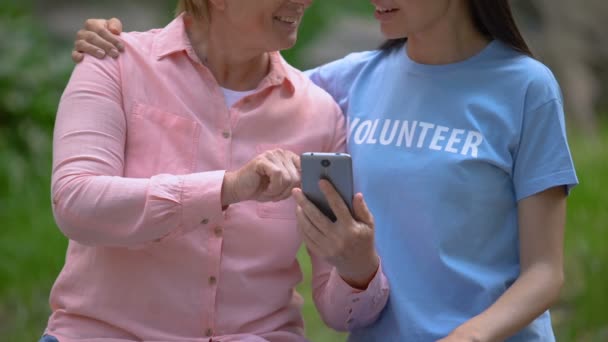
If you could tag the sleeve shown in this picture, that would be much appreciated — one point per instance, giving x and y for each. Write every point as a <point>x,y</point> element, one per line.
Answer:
<point>338,141</point>
<point>342,307</point>
<point>93,203</point>
<point>335,77</point>
<point>543,158</point>
<point>324,77</point>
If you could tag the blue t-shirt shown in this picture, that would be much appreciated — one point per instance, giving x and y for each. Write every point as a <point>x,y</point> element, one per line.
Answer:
<point>442,155</point>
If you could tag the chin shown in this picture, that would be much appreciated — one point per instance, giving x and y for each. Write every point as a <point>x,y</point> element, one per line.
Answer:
<point>390,33</point>
<point>288,43</point>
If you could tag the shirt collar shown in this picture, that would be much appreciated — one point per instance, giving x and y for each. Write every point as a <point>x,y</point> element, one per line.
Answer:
<point>173,39</point>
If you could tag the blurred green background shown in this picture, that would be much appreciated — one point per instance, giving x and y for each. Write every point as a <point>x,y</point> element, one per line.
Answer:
<point>35,45</point>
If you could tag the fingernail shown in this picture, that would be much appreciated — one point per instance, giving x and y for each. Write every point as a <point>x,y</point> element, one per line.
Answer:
<point>100,53</point>
<point>114,53</point>
<point>120,46</point>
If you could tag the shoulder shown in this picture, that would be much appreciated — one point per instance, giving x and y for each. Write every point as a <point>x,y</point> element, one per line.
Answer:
<point>353,60</point>
<point>542,86</point>
<point>140,42</point>
<point>346,67</point>
<point>108,71</point>
<point>308,89</point>
<point>335,77</point>
<point>538,81</point>
<point>136,44</point>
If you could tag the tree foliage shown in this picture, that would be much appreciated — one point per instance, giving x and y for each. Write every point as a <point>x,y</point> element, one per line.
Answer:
<point>33,72</point>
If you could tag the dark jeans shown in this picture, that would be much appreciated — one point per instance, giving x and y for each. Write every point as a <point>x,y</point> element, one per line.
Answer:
<point>48,338</point>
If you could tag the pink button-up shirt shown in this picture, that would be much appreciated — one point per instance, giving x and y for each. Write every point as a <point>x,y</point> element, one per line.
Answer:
<point>141,146</point>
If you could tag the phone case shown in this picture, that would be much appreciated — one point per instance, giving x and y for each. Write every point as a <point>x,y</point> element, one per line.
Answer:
<point>336,168</point>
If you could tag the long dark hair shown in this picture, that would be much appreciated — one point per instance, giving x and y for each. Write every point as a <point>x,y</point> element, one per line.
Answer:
<point>493,19</point>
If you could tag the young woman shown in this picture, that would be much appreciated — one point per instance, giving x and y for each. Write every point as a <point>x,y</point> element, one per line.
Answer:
<point>458,142</point>
<point>172,172</point>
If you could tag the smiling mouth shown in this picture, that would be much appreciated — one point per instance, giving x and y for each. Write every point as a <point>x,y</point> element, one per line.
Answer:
<point>287,19</point>
<point>383,10</point>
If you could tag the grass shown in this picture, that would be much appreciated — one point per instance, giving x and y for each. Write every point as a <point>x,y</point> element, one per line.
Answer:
<point>32,250</point>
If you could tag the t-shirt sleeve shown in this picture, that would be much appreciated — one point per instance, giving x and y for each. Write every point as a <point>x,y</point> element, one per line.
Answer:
<point>543,158</point>
<point>327,76</point>
<point>337,76</point>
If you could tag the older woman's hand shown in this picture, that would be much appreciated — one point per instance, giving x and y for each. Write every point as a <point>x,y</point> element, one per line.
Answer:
<point>99,38</point>
<point>268,177</point>
<point>347,243</point>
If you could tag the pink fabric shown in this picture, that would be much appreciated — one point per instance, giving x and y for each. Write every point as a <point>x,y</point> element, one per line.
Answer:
<point>140,149</point>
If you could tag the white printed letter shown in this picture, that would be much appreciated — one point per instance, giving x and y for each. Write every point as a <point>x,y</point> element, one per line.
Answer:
<point>437,137</point>
<point>425,128</point>
<point>454,139</point>
<point>360,134</point>
<point>474,139</point>
<point>407,132</point>
<point>387,124</point>
<point>371,140</point>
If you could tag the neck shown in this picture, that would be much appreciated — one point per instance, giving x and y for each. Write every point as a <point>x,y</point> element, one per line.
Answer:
<point>452,39</point>
<point>233,66</point>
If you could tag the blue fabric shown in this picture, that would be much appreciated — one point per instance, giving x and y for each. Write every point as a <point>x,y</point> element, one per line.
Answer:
<point>48,338</point>
<point>442,155</point>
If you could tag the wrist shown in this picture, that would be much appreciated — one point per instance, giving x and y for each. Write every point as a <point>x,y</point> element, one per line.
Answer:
<point>228,189</point>
<point>362,275</point>
<point>469,332</point>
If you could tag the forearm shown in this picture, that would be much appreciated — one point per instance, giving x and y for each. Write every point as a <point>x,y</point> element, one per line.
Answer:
<point>117,211</point>
<point>533,293</point>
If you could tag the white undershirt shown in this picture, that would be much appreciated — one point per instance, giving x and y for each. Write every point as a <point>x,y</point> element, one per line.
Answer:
<point>231,96</point>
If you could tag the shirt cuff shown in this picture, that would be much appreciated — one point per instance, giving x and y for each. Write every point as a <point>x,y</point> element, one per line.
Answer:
<point>201,201</point>
<point>362,306</point>
<point>201,197</point>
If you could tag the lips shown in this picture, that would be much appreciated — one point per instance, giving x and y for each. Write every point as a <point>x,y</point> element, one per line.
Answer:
<point>385,13</point>
<point>287,19</point>
<point>383,10</point>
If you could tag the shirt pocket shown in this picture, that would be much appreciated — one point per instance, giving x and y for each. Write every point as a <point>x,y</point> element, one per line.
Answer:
<point>285,209</point>
<point>159,142</point>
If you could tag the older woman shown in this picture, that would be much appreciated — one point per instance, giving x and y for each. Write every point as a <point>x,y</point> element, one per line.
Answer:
<point>171,172</point>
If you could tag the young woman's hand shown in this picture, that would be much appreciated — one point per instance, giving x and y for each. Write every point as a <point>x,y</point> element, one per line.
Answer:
<point>268,177</point>
<point>347,243</point>
<point>99,38</point>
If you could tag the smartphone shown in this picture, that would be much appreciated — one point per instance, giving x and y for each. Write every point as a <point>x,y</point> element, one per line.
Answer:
<point>334,167</point>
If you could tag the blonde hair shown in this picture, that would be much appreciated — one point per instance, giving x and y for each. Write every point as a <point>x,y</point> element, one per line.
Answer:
<point>196,8</point>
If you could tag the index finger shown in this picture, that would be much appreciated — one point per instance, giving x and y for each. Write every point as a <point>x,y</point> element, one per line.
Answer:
<point>296,161</point>
<point>335,201</point>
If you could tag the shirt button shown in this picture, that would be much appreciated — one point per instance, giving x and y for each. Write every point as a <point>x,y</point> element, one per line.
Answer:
<point>212,280</point>
<point>355,300</point>
<point>226,135</point>
<point>205,221</point>
<point>209,332</point>
<point>218,231</point>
